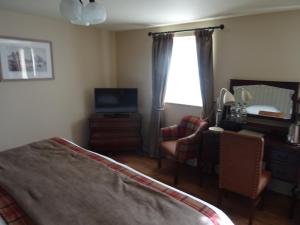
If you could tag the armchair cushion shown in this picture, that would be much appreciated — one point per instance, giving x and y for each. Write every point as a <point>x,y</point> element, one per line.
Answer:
<point>169,147</point>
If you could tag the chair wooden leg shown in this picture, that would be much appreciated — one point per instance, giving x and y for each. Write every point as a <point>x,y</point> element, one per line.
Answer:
<point>200,169</point>
<point>261,203</point>
<point>159,159</point>
<point>293,202</point>
<point>220,197</point>
<point>252,209</point>
<point>178,166</point>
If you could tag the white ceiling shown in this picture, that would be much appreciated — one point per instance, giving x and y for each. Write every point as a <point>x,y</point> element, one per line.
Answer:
<point>133,14</point>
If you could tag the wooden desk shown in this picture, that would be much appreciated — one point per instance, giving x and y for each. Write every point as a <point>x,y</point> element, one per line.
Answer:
<point>282,159</point>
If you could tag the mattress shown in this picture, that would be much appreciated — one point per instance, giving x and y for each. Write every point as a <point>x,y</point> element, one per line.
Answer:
<point>208,214</point>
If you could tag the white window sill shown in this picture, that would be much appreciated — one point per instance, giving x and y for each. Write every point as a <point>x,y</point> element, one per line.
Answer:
<point>183,104</point>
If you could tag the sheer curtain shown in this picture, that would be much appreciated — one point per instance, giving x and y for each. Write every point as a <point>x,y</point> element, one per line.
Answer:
<point>204,45</point>
<point>161,57</point>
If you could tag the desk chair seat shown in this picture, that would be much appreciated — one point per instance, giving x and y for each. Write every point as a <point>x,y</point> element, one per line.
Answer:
<point>182,142</point>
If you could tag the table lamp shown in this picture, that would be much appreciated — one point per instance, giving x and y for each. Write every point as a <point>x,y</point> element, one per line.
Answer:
<point>225,98</point>
<point>245,94</point>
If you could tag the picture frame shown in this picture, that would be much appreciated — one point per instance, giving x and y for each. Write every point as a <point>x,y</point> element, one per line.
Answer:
<point>25,59</point>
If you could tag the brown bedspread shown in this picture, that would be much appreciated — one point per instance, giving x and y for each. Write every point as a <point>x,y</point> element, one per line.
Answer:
<point>56,186</point>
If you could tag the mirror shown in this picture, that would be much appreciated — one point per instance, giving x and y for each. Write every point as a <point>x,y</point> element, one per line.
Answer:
<point>266,100</point>
<point>269,99</point>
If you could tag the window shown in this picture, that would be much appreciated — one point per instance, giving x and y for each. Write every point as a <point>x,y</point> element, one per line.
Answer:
<point>183,86</point>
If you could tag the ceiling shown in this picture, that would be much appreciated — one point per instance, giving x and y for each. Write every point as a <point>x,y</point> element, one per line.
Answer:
<point>135,14</point>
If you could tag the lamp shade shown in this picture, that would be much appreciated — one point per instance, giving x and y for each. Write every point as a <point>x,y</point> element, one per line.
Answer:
<point>228,98</point>
<point>82,12</point>
<point>225,98</point>
<point>70,9</point>
<point>245,95</point>
<point>80,22</point>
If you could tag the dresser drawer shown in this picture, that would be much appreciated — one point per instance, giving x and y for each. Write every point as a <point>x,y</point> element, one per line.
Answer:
<point>283,171</point>
<point>284,156</point>
<point>116,144</point>
<point>114,133</point>
<point>117,124</point>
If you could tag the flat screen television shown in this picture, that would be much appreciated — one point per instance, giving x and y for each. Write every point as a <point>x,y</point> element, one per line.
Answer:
<point>116,100</point>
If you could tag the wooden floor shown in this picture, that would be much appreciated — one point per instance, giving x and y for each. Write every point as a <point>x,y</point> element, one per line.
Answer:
<point>276,205</point>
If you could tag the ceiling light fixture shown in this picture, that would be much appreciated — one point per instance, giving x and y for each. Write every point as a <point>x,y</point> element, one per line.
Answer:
<point>83,12</point>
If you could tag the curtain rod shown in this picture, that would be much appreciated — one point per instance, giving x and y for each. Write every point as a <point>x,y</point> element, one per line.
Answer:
<point>176,31</point>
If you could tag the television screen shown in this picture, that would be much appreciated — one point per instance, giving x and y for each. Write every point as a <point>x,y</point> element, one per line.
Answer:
<point>115,100</point>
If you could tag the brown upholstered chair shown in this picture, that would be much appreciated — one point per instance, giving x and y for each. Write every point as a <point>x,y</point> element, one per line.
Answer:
<point>182,142</point>
<point>241,167</point>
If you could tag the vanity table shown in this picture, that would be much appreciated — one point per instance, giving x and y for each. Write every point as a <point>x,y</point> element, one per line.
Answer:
<point>282,159</point>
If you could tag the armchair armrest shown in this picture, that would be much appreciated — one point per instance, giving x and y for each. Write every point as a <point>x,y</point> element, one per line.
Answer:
<point>191,139</point>
<point>188,147</point>
<point>169,133</point>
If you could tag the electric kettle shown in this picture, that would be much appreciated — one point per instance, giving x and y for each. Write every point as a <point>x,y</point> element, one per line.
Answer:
<point>293,136</point>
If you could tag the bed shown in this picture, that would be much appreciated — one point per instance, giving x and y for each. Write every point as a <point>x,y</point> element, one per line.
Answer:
<point>62,183</point>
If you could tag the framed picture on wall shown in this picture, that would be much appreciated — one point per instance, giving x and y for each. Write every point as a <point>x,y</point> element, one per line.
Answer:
<point>25,59</point>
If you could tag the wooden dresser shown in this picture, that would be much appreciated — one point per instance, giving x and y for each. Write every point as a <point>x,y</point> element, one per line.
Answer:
<point>115,132</point>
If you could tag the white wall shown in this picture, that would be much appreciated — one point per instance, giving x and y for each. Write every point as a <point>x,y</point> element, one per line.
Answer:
<point>83,59</point>
<point>262,47</point>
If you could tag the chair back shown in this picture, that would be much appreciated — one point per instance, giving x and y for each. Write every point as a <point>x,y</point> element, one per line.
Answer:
<point>191,124</point>
<point>240,163</point>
